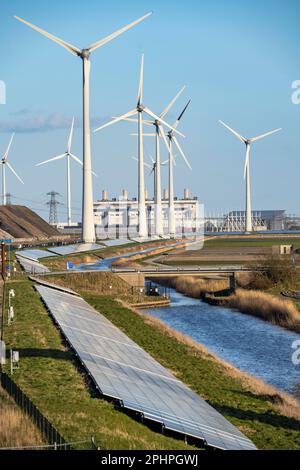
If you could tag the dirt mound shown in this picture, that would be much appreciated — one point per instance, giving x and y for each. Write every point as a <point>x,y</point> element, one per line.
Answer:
<point>21,222</point>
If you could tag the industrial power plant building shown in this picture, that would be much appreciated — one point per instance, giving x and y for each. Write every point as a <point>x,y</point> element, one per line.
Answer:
<point>119,216</point>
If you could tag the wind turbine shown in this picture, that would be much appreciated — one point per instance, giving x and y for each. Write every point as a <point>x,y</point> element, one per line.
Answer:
<point>88,227</point>
<point>68,155</point>
<point>248,142</point>
<point>139,110</point>
<point>152,167</point>
<point>159,132</point>
<point>4,162</point>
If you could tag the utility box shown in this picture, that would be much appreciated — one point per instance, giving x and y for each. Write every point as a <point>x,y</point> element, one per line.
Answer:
<point>2,353</point>
<point>282,249</point>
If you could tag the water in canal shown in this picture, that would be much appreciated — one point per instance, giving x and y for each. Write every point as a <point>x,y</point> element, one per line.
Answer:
<point>250,344</point>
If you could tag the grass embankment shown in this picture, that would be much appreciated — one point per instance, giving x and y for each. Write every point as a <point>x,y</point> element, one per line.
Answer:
<point>101,283</point>
<point>59,263</point>
<point>50,376</point>
<point>16,429</point>
<point>261,412</point>
<point>247,241</point>
<point>264,305</point>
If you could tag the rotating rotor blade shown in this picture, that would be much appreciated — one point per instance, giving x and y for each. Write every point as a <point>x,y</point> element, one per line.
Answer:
<point>59,157</point>
<point>181,152</point>
<point>172,102</point>
<point>255,139</point>
<point>114,121</point>
<point>76,159</point>
<point>176,123</point>
<point>117,33</point>
<point>240,137</point>
<point>163,134</point>
<point>141,82</point>
<point>70,137</point>
<point>5,156</point>
<point>69,47</point>
<point>150,113</point>
<point>14,172</point>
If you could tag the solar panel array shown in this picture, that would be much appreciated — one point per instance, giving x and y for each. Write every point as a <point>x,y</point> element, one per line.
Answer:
<point>34,254</point>
<point>117,242</point>
<point>124,371</point>
<point>73,249</point>
<point>32,267</point>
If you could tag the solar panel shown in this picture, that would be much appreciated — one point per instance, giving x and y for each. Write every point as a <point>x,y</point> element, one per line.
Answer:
<point>49,284</point>
<point>34,254</point>
<point>32,267</point>
<point>123,370</point>
<point>117,242</point>
<point>73,249</point>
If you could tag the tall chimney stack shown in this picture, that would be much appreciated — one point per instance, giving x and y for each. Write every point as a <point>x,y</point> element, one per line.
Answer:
<point>125,194</point>
<point>166,194</point>
<point>104,195</point>
<point>186,194</point>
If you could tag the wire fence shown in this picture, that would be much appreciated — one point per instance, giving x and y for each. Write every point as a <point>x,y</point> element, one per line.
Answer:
<point>48,431</point>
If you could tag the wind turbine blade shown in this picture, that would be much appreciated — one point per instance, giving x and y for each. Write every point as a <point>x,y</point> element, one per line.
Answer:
<point>172,102</point>
<point>13,171</point>
<point>176,123</point>
<point>59,157</point>
<point>70,137</point>
<point>140,92</point>
<point>117,33</point>
<point>165,162</point>
<point>114,121</point>
<point>162,131</point>
<point>181,152</point>
<point>150,113</point>
<point>255,139</point>
<point>240,137</point>
<point>5,156</point>
<point>145,163</point>
<point>152,159</point>
<point>151,172</point>
<point>74,50</point>
<point>76,159</point>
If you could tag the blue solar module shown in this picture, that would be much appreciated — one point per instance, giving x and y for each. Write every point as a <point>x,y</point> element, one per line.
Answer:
<point>32,267</point>
<point>123,370</point>
<point>73,249</point>
<point>34,254</point>
<point>117,242</point>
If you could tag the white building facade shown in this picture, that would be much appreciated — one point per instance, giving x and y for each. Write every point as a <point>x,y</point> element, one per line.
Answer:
<point>118,217</point>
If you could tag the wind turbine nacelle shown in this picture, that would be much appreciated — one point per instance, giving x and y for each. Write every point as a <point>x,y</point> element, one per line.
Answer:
<point>85,54</point>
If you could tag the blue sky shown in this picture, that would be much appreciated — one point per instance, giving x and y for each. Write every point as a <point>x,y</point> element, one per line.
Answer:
<point>237,58</point>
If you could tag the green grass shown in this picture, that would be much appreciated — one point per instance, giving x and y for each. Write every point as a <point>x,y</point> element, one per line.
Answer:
<point>197,262</point>
<point>263,241</point>
<point>49,375</point>
<point>254,414</point>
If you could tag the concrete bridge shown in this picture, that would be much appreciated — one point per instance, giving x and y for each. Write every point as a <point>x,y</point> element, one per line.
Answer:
<point>136,277</point>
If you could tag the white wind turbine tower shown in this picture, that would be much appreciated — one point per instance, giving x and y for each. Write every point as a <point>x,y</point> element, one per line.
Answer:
<point>172,139</point>
<point>88,227</point>
<point>248,142</point>
<point>153,168</point>
<point>5,163</point>
<point>68,155</point>
<point>159,132</point>
<point>139,110</point>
